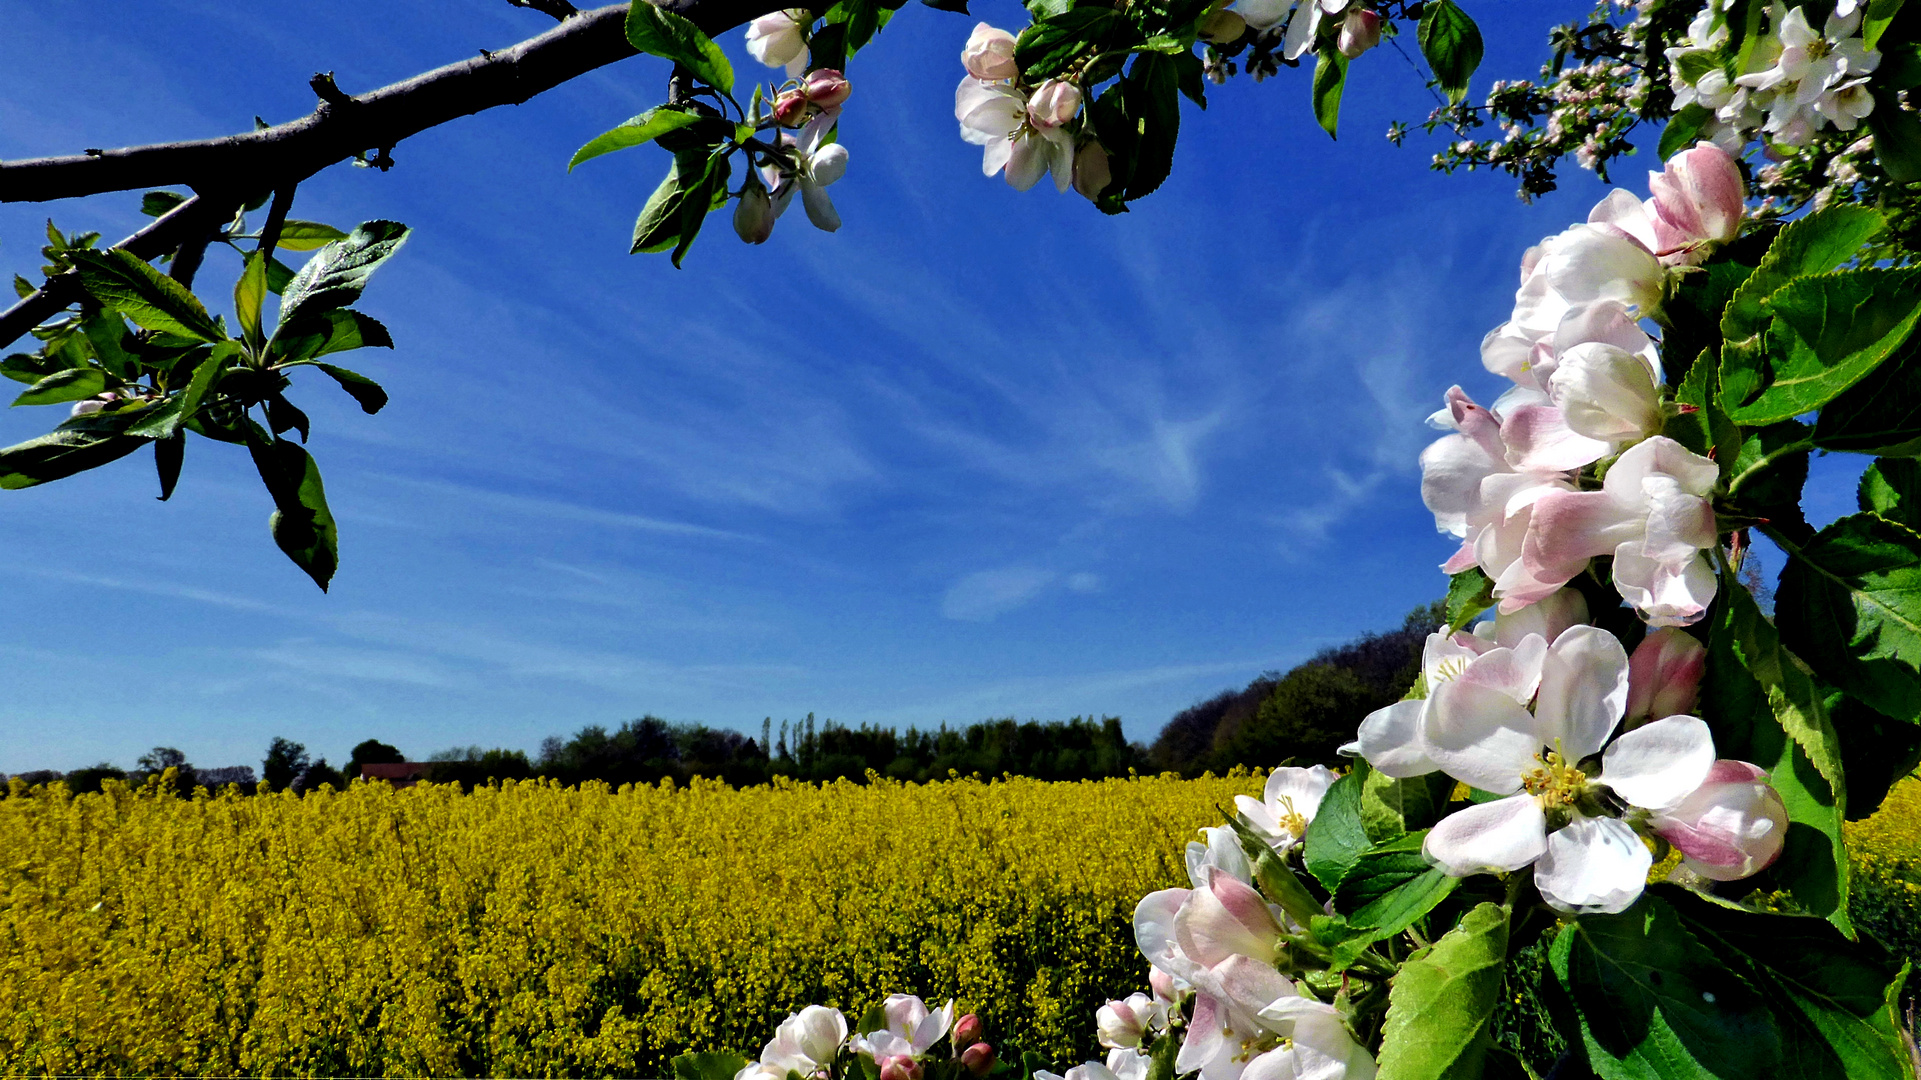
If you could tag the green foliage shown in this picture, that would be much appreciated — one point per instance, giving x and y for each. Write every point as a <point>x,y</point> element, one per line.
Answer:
<point>675,37</point>
<point>1850,604</point>
<point>1336,838</point>
<point>641,129</point>
<point>1443,1001</point>
<point>1452,45</point>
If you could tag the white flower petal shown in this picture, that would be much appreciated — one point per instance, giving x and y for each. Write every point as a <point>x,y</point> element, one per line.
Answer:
<point>1480,736</point>
<point>1390,740</point>
<point>1506,834</point>
<point>1659,764</point>
<point>1594,866</point>
<point>1584,691</point>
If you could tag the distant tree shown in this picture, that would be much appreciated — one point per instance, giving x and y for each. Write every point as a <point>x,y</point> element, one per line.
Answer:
<point>319,773</point>
<point>286,761</point>
<point>472,766</point>
<point>161,758</point>
<point>371,752</point>
<point>1189,737</point>
<point>91,778</point>
<point>240,776</point>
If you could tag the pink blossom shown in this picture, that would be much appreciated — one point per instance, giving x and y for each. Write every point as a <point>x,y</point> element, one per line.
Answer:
<point>1731,827</point>
<point>826,87</point>
<point>1664,675</point>
<point>989,54</point>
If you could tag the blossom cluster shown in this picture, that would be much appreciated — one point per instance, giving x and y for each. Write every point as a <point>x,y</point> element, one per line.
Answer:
<point>1580,749</point>
<point>808,1043</point>
<point>1024,134</point>
<point>1795,81</point>
<point>1511,481</point>
<point>810,157</point>
<point>1221,971</point>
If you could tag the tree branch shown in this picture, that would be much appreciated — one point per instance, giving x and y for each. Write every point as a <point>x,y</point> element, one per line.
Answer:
<point>291,152</point>
<point>559,9</point>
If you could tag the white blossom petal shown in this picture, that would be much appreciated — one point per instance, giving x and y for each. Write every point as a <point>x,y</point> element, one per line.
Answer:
<point>1506,834</point>
<point>1657,765</point>
<point>1594,866</point>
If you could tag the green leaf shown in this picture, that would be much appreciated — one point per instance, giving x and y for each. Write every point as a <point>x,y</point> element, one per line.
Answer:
<point>1330,74</point>
<point>85,442</point>
<point>336,274</point>
<point>157,203</point>
<point>1850,605</point>
<point>1046,48</point>
<point>658,227</point>
<point>306,235</point>
<point>1684,127</point>
<point>703,198</point>
<point>1161,1057</point>
<point>1191,74</point>
<point>1897,138</point>
<point>1653,1001</point>
<point>1452,44</point>
<point>329,332</point>
<point>1830,997</point>
<point>1705,429</point>
<point>150,298</point>
<point>1763,707</point>
<point>364,390</point>
<point>279,276</point>
<point>107,333</point>
<point>1391,885</point>
<point>165,420</point>
<point>707,1066</point>
<point>663,33</point>
<point>644,128</point>
<point>862,19</point>
<point>30,368</point>
<point>1769,473</point>
<point>1469,593</point>
<point>168,456</point>
<point>1391,808</point>
<point>249,293</point>
<point>1892,488</point>
<point>1828,332</point>
<point>1881,414</point>
<point>1443,1000</point>
<point>1336,838</point>
<point>1815,244</point>
<point>1874,22</point>
<point>72,384</point>
<point>301,524</point>
<point>1150,93</point>
<point>1272,874</point>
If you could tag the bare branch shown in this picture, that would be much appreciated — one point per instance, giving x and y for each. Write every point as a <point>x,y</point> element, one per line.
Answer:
<point>559,9</point>
<point>291,152</point>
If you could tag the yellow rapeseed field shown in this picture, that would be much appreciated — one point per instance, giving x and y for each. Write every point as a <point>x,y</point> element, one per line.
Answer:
<point>530,929</point>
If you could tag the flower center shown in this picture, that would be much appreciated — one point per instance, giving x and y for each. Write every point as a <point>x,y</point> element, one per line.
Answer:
<point>1819,48</point>
<point>1291,819</point>
<point>1557,783</point>
<point>1450,669</point>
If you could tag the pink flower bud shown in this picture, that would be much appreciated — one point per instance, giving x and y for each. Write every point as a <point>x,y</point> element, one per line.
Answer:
<point>1360,31</point>
<point>1054,104</point>
<point>1731,827</point>
<point>968,1030</point>
<point>1664,675</point>
<point>900,1067</point>
<point>1699,199</point>
<point>978,1058</point>
<point>1127,1024</point>
<point>790,108</point>
<point>989,54</point>
<point>1223,27</point>
<point>826,87</point>
<point>1163,986</point>
<point>754,217</point>
<point>1092,173</point>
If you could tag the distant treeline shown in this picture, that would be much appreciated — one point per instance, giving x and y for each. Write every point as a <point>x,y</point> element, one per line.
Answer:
<point>1303,715</point>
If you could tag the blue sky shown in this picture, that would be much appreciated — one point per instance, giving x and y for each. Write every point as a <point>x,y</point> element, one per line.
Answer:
<point>980,453</point>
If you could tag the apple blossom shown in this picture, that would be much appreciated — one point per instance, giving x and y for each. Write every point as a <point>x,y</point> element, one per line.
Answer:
<point>1055,102</point>
<point>817,166</point>
<point>1606,393</point>
<point>911,1029</point>
<point>978,1059</point>
<point>826,87</point>
<point>1092,173</point>
<point>1547,618</point>
<point>1730,827</point>
<point>1698,198</point>
<point>779,39</point>
<point>1664,674</point>
<point>1250,1021</point>
<point>805,1042</point>
<point>1222,851</point>
<point>790,108</point>
<point>1588,262</point>
<point>1288,802</point>
<point>1477,727</point>
<point>968,1030</point>
<point>989,54</point>
<point>754,217</point>
<point>1120,1065</point>
<point>1316,1043</point>
<point>1360,31</point>
<point>900,1067</point>
<point>1226,918</point>
<point>1127,1023</point>
<point>1652,514</point>
<point>995,116</point>
<point>1166,988</point>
